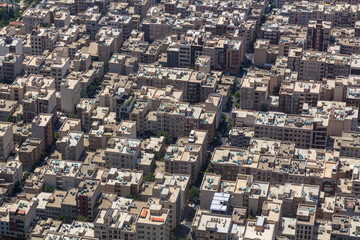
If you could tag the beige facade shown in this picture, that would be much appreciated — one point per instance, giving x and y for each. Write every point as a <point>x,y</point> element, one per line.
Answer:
<point>7,140</point>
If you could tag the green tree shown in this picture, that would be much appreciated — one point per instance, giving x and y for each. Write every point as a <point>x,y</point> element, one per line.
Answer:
<point>193,194</point>
<point>149,177</point>
<point>136,198</point>
<point>26,174</point>
<point>84,95</point>
<point>48,189</point>
<point>168,138</point>
<point>64,219</point>
<point>229,125</point>
<point>20,117</point>
<point>56,135</point>
<point>81,218</point>
<point>10,118</point>
<point>72,115</point>
<point>237,95</point>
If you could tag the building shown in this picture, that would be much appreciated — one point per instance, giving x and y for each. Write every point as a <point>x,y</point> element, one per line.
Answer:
<point>153,221</point>
<point>211,226</point>
<point>71,146</point>
<point>33,16</point>
<point>122,153</point>
<point>84,111</point>
<point>318,35</point>
<point>43,128</point>
<point>305,221</point>
<point>7,140</point>
<point>24,212</point>
<point>7,108</point>
<point>259,228</point>
<point>70,95</point>
<point>31,151</point>
<point>124,183</point>
<point>184,160</point>
<point>69,172</point>
<point>43,39</point>
<point>70,124</point>
<point>37,102</point>
<point>12,66</point>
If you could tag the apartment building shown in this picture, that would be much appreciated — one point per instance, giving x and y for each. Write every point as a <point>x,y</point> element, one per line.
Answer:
<point>81,61</point>
<point>123,183</point>
<point>12,66</point>
<point>209,186</point>
<point>153,221</point>
<point>135,49</point>
<point>70,95</point>
<point>38,101</point>
<point>211,226</point>
<point>122,153</point>
<point>318,35</point>
<point>178,119</point>
<point>43,128</point>
<point>84,111</point>
<point>349,144</point>
<point>115,224</point>
<point>240,136</point>
<point>7,140</point>
<point>154,96</point>
<point>355,188</point>
<point>86,198</point>
<point>109,33</point>
<point>293,194</point>
<point>305,219</point>
<point>62,174</point>
<point>254,92</point>
<point>62,19</point>
<point>304,131</point>
<point>259,228</point>
<point>123,63</point>
<point>92,17</point>
<point>202,64</point>
<point>11,173</point>
<point>9,44</point>
<point>123,22</point>
<point>59,67</point>
<point>32,82</point>
<point>184,160</point>
<point>340,117</point>
<point>312,66</point>
<point>96,138</point>
<point>43,39</point>
<point>70,124</point>
<point>163,179</point>
<point>31,151</point>
<point>342,226</point>
<point>138,114</point>
<point>21,215</point>
<point>156,27</point>
<point>71,146</point>
<point>34,16</point>
<point>293,96</point>
<point>199,138</point>
<point>170,198</point>
<point>7,108</point>
<point>127,129</point>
